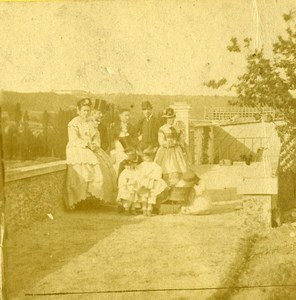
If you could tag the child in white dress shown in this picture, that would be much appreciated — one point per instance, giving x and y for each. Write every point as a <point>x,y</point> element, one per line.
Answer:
<point>150,181</point>
<point>128,185</point>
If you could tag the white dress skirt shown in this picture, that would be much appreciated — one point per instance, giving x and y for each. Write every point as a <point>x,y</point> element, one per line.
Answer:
<point>150,181</point>
<point>90,173</point>
<point>170,155</point>
<point>118,156</point>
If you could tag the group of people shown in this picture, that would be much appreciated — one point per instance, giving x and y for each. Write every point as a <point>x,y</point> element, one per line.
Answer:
<point>136,170</point>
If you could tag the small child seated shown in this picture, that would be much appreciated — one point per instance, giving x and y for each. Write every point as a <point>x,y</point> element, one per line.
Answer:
<point>150,181</point>
<point>199,204</point>
<point>128,185</point>
<point>130,152</point>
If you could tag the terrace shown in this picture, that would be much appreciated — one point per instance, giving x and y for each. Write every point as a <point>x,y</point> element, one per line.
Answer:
<point>241,192</point>
<point>217,153</point>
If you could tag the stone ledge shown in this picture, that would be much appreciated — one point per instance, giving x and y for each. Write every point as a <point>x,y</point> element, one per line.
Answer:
<point>259,186</point>
<point>36,170</point>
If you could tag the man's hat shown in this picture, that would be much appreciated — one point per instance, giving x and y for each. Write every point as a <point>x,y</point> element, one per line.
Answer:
<point>100,105</point>
<point>169,113</point>
<point>146,105</point>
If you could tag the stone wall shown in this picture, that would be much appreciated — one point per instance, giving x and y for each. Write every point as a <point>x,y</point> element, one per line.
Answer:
<point>33,192</point>
<point>260,190</point>
<point>259,210</point>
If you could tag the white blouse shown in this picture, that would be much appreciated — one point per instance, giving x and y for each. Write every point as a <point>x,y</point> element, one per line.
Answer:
<point>81,134</point>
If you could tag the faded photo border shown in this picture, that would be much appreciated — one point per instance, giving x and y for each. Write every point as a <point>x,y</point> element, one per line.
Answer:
<point>185,59</point>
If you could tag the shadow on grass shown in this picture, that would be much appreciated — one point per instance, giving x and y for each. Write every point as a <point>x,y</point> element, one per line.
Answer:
<point>34,252</point>
<point>238,267</point>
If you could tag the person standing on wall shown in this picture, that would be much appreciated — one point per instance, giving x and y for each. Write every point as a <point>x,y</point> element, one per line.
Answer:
<point>148,127</point>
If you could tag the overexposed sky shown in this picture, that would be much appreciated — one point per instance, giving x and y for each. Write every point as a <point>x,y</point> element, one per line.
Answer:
<point>140,47</point>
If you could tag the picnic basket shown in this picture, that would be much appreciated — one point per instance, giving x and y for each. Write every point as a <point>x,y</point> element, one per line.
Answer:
<point>177,197</point>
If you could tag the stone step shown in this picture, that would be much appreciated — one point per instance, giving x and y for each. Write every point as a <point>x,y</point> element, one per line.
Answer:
<point>220,195</point>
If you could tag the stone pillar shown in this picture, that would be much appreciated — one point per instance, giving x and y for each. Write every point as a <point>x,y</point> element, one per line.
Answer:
<point>259,201</point>
<point>182,110</point>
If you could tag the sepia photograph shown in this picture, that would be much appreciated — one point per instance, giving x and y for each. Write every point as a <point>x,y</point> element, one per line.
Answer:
<point>148,150</point>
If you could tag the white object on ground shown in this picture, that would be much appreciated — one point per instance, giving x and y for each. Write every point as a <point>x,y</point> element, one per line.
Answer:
<point>200,205</point>
<point>50,216</point>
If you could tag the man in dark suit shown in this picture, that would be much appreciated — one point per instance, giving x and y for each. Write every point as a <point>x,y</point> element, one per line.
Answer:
<point>148,127</point>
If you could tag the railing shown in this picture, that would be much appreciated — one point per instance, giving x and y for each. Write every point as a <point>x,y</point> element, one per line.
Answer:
<point>237,142</point>
<point>226,113</point>
<point>236,148</point>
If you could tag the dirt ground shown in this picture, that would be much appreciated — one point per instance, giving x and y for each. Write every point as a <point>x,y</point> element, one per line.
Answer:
<point>98,254</point>
<point>271,266</point>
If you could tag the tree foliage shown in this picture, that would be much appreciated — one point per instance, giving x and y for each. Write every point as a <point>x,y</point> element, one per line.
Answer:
<point>234,46</point>
<point>261,85</point>
<point>45,119</point>
<point>268,81</point>
<point>216,84</point>
<point>26,116</point>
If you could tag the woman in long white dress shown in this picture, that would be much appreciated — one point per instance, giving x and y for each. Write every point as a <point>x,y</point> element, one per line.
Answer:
<point>170,155</point>
<point>90,171</point>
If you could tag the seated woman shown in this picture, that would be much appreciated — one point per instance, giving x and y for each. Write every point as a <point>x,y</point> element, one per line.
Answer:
<point>90,171</point>
<point>170,154</point>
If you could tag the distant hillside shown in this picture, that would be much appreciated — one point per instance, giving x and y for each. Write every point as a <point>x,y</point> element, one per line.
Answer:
<point>38,101</point>
<point>160,102</point>
<point>54,101</point>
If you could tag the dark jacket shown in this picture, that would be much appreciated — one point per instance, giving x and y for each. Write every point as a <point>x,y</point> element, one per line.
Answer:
<point>149,131</point>
<point>124,163</point>
<point>129,141</point>
<point>104,135</point>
